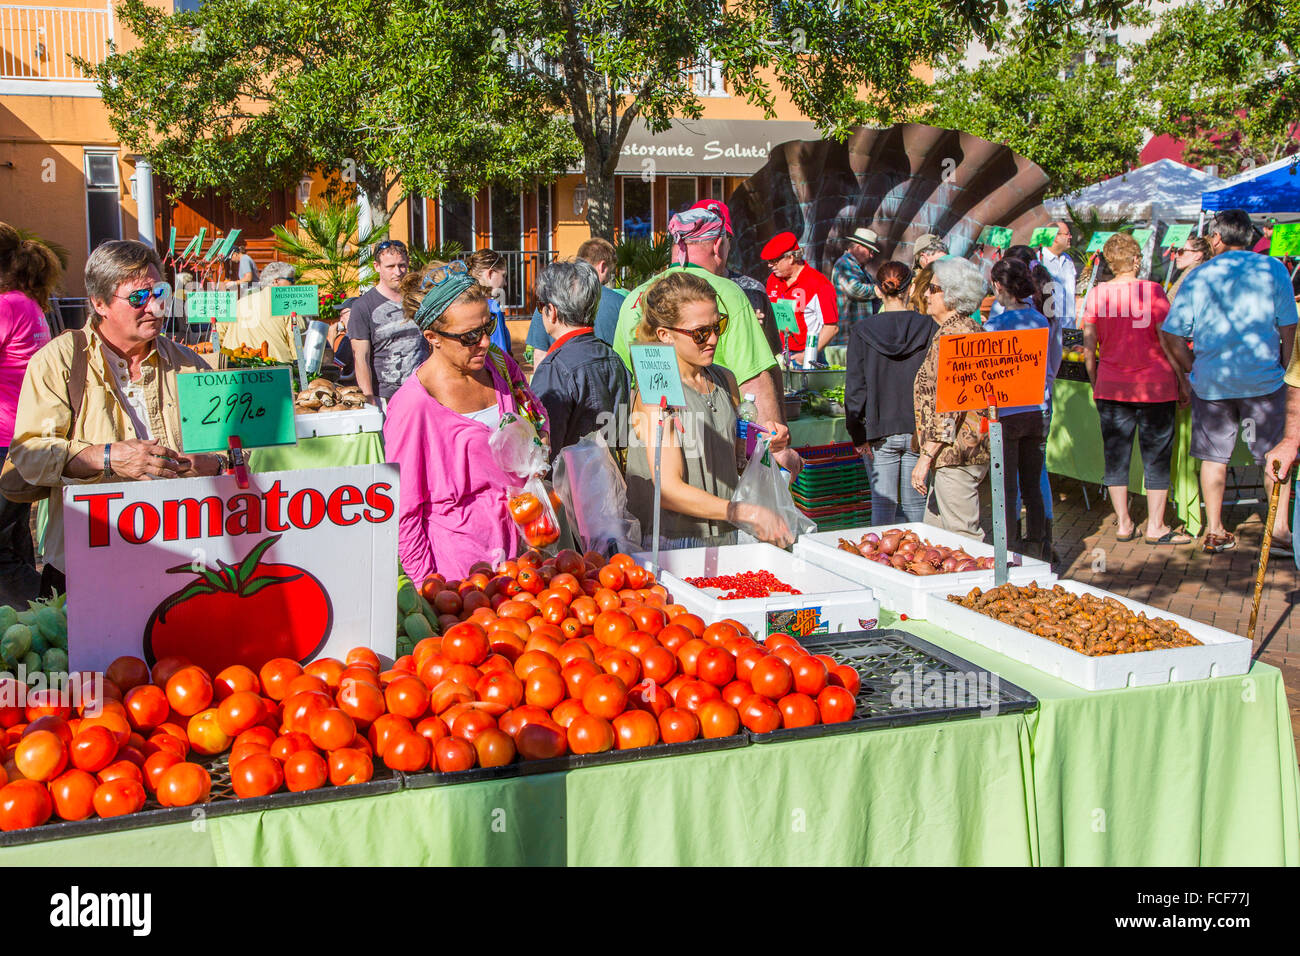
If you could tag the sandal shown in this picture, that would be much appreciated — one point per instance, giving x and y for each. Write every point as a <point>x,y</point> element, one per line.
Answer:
<point>1127,537</point>
<point>1218,543</point>
<point>1169,537</point>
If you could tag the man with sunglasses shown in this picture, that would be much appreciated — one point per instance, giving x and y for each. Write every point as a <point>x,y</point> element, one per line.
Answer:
<point>126,424</point>
<point>383,352</point>
<point>810,292</point>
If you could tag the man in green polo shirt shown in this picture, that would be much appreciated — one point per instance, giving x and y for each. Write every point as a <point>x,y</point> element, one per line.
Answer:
<point>701,245</point>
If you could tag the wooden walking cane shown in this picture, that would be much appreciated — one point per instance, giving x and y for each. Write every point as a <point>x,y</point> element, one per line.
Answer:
<point>1263,552</point>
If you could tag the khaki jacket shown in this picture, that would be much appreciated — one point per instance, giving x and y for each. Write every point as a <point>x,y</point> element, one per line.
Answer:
<point>41,447</point>
<point>959,432</point>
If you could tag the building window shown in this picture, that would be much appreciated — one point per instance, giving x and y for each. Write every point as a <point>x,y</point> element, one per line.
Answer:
<point>507,220</point>
<point>456,219</point>
<point>715,188</point>
<point>707,76</point>
<point>418,220</point>
<point>186,6</point>
<point>638,208</point>
<point>103,198</point>
<point>544,218</point>
<point>681,193</point>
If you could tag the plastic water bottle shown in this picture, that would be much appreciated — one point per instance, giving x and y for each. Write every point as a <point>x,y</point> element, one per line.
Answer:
<point>746,414</point>
<point>313,347</point>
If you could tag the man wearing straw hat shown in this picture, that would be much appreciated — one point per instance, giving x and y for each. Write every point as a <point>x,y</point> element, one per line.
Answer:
<point>855,289</point>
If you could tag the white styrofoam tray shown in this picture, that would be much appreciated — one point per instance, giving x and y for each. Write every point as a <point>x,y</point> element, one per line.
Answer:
<point>839,604</point>
<point>1221,654</point>
<point>353,421</point>
<point>903,592</point>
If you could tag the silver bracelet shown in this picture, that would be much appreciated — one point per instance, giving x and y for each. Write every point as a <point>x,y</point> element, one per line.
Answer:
<point>108,460</point>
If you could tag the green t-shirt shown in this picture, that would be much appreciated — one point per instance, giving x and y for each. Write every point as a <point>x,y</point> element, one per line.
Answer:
<point>743,348</point>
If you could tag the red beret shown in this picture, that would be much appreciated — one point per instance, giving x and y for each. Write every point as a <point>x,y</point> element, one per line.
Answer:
<point>778,246</point>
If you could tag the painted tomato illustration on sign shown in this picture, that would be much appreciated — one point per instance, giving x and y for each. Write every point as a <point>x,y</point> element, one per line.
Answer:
<point>241,614</point>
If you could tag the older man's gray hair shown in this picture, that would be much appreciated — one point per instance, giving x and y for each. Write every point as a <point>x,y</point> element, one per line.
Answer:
<point>277,272</point>
<point>573,288</point>
<point>963,286</point>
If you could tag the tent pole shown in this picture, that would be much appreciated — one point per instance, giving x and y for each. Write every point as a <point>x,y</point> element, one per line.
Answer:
<point>1200,222</point>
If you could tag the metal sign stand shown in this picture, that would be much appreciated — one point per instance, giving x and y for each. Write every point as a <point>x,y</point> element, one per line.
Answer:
<point>997,480</point>
<point>659,450</point>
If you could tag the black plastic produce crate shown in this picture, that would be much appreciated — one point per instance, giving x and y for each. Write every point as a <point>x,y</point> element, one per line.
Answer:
<point>878,656</point>
<point>528,768</point>
<point>222,802</point>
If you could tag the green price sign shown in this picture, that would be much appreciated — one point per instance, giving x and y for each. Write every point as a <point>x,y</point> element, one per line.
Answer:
<point>229,244</point>
<point>254,403</point>
<point>1140,236</point>
<point>985,236</point>
<point>1097,241</point>
<point>1176,235</point>
<point>657,375</point>
<point>1286,240</point>
<point>1043,236</point>
<point>290,299</point>
<point>783,312</point>
<point>999,236</point>
<point>190,247</point>
<point>204,307</point>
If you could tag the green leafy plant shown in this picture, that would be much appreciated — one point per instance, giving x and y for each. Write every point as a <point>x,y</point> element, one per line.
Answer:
<point>329,248</point>
<point>59,249</point>
<point>636,260</point>
<point>421,256</point>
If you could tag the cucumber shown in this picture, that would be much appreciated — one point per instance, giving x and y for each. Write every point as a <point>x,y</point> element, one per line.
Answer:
<point>16,642</point>
<point>408,599</point>
<point>417,628</point>
<point>430,615</point>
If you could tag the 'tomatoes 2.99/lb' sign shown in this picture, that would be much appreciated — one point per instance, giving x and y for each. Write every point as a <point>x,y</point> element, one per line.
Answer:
<point>302,564</point>
<point>254,403</point>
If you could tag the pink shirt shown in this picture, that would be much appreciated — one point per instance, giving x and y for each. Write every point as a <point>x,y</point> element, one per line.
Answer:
<point>22,332</point>
<point>1131,366</point>
<point>452,508</point>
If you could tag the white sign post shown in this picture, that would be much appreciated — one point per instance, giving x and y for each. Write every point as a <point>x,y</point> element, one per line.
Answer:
<point>301,564</point>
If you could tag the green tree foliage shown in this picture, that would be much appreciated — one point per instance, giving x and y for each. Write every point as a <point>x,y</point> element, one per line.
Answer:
<point>1079,121</point>
<point>330,245</point>
<point>1225,84</point>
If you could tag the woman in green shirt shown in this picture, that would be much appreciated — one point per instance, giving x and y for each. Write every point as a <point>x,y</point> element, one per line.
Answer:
<point>698,472</point>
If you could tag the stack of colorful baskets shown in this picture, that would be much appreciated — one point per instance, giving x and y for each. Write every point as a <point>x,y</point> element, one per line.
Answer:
<point>833,488</point>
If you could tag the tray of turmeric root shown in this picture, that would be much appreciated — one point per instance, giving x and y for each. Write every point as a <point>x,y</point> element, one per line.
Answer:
<point>1090,637</point>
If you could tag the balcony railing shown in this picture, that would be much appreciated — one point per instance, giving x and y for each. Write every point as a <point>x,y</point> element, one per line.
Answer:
<point>38,43</point>
<point>521,278</point>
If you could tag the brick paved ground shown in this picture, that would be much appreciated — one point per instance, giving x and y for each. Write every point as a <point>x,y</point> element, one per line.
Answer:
<point>1217,589</point>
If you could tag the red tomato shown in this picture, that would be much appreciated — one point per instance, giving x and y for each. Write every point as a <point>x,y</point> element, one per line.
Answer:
<point>759,714</point>
<point>408,752</point>
<point>542,740</point>
<point>544,688</point>
<point>128,672</point>
<point>798,710</point>
<point>73,794</point>
<point>736,691</point>
<point>121,770</point>
<point>466,643</point>
<point>688,655</point>
<point>524,508</point>
<point>771,677</point>
<point>205,733</point>
<point>166,667</point>
<point>501,687</point>
<point>432,729</point>
<point>155,765</point>
<point>407,697</point>
<point>694,694</point>
<point>189,690</point>
<point>240,711</point>
<point>659,664</point>
<point>650,697</point>
<point>234,678</point>
<point>288,744</point>
<point>589,734</point>
<point>41,756</point>
<point>622,665</point>
<point>116,798</point>
<point>276,675</point>
<point>452,754</point>
<point>261,734</point>
<point>605,696</point>
<point>93,749</point>
<point>847,678</point>
<point>678,726</point>
<point>24,803</point>
<point>809,675</point>
<point>257,776</point>
<point>494,748</point>
<point>719,633</point>
<point>636,728</point>
<point>350,765</point>
<point>332,729</point>
<point>577,674</point>
<point>146,706</point>
<point>362,701</point>
<point>305,770</point>
<point>384,729</point>
<point>184,785</point>
<point>567,711</point>
<point>716,666</point>
<point>835,705</point>
<point>718,719</point>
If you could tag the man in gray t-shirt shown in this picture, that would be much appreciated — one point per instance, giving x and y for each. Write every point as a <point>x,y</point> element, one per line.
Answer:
<point>397,347</point>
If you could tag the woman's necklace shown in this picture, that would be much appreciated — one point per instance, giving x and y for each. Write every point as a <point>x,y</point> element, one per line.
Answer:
<point>709,395</point>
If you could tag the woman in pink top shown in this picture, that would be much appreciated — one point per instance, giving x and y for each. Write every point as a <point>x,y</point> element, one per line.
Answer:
<point>29,271</point>
<point>452,510</point>
<point>1134,384</point>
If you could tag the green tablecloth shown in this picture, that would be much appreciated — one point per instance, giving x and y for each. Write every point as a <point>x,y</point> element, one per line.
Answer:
<point>812,431</point>
<point>332,451</point>
<point>1193,773</point>
<point>1074,449</point>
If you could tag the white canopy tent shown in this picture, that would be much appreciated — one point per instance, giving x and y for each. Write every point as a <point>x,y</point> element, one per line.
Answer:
<point>1163,191</point>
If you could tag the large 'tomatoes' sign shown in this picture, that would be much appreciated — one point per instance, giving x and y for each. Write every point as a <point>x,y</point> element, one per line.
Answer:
<point>302,564</point>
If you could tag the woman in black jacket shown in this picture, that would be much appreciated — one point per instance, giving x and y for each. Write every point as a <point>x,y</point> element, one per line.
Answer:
<point>885,352</point>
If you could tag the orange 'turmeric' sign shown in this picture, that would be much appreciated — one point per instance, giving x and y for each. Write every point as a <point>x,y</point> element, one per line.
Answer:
<point>982,369</point>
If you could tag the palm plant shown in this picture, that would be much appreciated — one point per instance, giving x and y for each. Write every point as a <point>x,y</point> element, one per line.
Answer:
<point>1086,227</point>
<point>636,260</point>
<point>420,256</point>
<point>59,249</point>
<point>329,247</point>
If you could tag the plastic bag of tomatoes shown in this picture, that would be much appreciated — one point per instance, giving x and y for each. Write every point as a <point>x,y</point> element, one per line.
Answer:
<point>517,448</point>
<point>532,508</point>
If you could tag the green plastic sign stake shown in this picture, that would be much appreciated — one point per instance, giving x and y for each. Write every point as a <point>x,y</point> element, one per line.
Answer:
<point>171,244</point>
<point>291,299</point>
<point>204,307</point>
<point>212,249</point>
<point>1286,240</point>
<point>228,246</point>
<point>783,312</point>
<point>190,247</point>
<point>253,404</point>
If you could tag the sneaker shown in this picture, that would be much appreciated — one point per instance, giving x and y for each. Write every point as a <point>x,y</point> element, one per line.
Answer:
<point>1218,543</point>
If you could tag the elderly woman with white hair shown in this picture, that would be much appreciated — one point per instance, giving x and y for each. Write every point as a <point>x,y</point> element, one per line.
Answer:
<point>953,443</point>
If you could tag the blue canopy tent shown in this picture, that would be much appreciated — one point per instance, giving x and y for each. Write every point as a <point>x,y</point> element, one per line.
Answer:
<point>1274,188</point>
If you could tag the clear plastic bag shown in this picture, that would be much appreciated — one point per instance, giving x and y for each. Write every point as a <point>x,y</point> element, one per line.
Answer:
<point>595,497</point>
<point>763,487</point>
<point>531,510</point>
<point>517,449</point>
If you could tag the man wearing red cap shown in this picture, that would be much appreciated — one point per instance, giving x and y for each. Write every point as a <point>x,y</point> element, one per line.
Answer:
<point>810,292</point>
<point>701,244</point>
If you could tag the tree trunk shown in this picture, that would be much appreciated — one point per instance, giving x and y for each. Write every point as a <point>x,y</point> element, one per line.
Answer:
<point>600,202</point>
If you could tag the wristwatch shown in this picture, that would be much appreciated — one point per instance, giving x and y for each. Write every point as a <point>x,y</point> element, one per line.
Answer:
<point>108,460</point>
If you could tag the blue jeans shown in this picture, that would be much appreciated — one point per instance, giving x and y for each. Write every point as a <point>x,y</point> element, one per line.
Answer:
<point>891,481</point>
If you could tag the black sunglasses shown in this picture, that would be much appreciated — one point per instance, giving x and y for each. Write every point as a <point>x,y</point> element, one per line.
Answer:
<point>473,336</point>
<point>390,244</point>
<point>701,335</point>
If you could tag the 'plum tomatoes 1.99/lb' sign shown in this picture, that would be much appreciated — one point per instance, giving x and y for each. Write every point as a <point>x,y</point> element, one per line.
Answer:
<point>302,564</point>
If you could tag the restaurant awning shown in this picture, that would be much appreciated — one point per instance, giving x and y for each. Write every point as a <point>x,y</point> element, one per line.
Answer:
<point>709,147</point>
